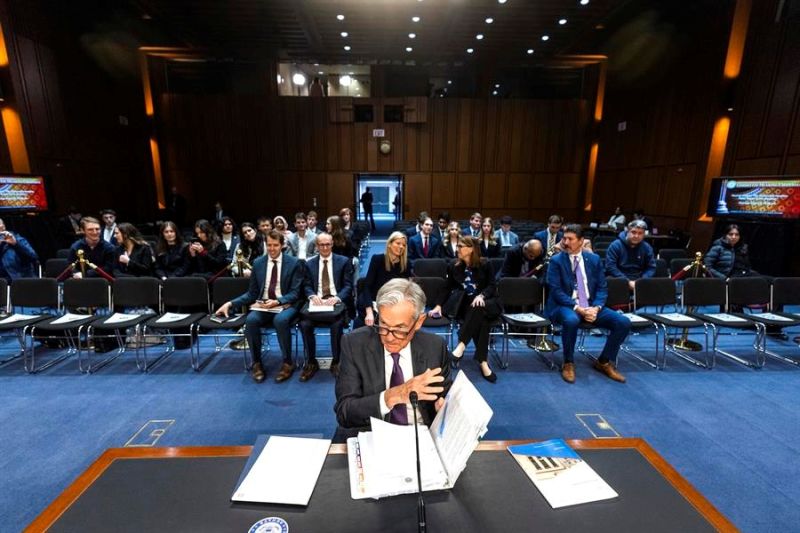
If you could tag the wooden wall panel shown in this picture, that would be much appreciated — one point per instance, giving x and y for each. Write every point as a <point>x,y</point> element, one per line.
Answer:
<point>418,193</point>
<point>543,191</point>
<point>519,191</point>
<point>314,192</point>
<point>340,192</point>
<point>494,190</point>
<point>768,166</point>
<point>443,189</point>
<point>468,190</point>
<point>568,190</point>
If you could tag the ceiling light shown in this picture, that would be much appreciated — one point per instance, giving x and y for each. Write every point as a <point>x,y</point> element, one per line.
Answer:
<point>409,49</point>
<point>501,1</point>
<point>479,36</point>
<point>350,73</point>
<point>562,21</point>
<point>584,2</point>
<point>530,51</point>
<point>280,78</point>
<point>340,17</point>
<point>412,35</point>
<point>320,73</point>
<point>344,34</point>
<point>449,82</point>
<point>345,80</point>
<point>415,19</point>
<point>494,93</point>
<point>545,37</point>
<point>347,48</point>
<point>496,85</point>
<point>299,79</point>
<point>470,50</point>
<point>489,20</point>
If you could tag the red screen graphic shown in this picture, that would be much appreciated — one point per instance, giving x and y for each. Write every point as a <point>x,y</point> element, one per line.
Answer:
<point>22,193</point>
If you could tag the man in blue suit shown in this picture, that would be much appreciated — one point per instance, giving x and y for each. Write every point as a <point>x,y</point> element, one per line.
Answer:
<point>504,235</point>
<point>274,298</point>
<point>329,281</point>
<point>551,236</point>
<point>424,244</point>
<point>578,292</point>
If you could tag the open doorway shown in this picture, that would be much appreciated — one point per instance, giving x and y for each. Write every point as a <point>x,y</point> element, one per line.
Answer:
<point>385,191</point>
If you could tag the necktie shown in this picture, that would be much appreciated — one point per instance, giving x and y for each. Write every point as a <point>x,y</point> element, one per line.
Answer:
<point>583,299</point>
<point>425,247</point>
<point>326,279</point>
<point>273,281</point>
<point>551,241</point>
<point>398,414</point>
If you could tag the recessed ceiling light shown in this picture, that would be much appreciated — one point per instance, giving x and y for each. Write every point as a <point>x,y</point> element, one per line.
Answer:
<point>479,36</point>
<point>449,82</point>
<point>562,21</point>
<point>412,35</point>
<point>347,47</point>
<point>496,85</point>
<point>339,17</point>
<point>545,37</point>
<point>345,80</point>
<point>494,93</point>
<point>501,1</point>
<point>530,51</point>
<point>409,49</point>
<point>470,50</point>
<point>344,34</point>
<point>299,79</point>
<point>351,73</point>
<point>584,2</point>
<point>489,20</point>
<point>320,73</point>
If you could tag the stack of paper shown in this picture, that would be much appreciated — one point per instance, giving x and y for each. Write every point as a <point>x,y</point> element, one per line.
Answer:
<point>17,317</point>
<point>172,317</point>
<point>70,317</point>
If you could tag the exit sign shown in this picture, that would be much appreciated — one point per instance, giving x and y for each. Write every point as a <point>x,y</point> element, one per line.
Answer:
<point>378,133</point>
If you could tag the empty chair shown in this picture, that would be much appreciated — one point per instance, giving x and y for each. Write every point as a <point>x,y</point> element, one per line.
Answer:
<point>523,296</point>
<point>668,254</point>
<point>429,268</point>
<point>662,269</point>
<point>678,264</point>
<point>31,293</point>
<point>63,253</point>
<point>496,264</point>
<point>223,290</point>
<point>785,292</point>
<point>54,267</point>
<point>434,289</point>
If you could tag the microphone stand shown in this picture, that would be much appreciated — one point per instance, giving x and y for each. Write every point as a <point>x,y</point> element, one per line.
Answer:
<point>421,526</point>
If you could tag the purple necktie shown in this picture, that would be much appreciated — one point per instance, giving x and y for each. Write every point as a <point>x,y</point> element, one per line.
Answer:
<point>583,299</point>
<point>398,414</point>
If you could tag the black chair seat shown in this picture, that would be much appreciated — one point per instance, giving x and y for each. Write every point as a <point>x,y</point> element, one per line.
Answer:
<point>792,320</point>
<point>694,323</point>
<point>178,324</point>
<point>641,324</point>
<point>101,325</point>
<point>48,324</point>
<point>440,322</point>
<point>206,324</point>
<point>747,324</point>
<point>27,322</point>
<point>517,323</point>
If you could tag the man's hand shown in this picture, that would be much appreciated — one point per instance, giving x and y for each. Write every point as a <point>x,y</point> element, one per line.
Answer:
<point>316,300</point>
<point>77,275</point>
<point>333,300</point>
<point>424,385</point>
<point>479,301</point>
<point>436,312</point>
<point>631,284</point>
<point>223,310</point>
<point>10,239</point>
<point>438,405</point>
<point>369,318</point>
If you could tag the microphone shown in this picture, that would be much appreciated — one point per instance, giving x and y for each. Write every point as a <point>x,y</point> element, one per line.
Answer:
<point>421,527</point>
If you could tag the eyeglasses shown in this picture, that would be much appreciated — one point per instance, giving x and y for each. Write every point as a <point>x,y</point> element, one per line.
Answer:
<point>324,244</point>
<point>396,333</point>
<point>459,245</point>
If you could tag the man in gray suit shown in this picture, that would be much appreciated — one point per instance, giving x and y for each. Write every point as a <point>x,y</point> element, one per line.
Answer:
<point>302,243</point>
<point>382,365</point>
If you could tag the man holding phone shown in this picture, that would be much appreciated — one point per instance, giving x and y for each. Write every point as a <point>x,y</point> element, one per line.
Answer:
<point>17,257</point>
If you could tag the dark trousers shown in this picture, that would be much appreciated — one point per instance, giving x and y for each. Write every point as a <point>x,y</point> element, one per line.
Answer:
<point>310,341</point>
<point>475,328</point>
<point>369,216</point>
<point>617,325</point>
<point>282,322</point>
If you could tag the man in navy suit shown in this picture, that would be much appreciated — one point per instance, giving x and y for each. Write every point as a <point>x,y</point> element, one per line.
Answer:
<point>474,228</point>
<point>578,292</point>
<point>274,296</point>
<point>551,236</point>
<point>329,281</point>
<point>424,244</point>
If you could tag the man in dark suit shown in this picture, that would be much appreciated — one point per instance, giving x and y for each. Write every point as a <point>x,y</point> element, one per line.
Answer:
<point>578,292</point>
<point>523,261</point>
<point>551,236</point>
<point>424,244</point>
<point>95,250</point>
<point>416,228</point>
<point>474,228</point>
<point>274,296</point>
<point>329,281</point>
<point>381,365</point>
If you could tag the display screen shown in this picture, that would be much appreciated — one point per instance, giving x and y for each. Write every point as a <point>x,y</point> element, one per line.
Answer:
<point>755,197</point>
<point>23,193</point>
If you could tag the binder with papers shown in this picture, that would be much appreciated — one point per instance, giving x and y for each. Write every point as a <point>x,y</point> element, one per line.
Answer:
<point>382,462</point>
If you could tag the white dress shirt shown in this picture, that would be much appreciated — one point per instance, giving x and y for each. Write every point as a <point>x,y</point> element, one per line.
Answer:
<point>270,266</point>
<point>408,372</point>
<point>302,246</point>
<point>108,234</point>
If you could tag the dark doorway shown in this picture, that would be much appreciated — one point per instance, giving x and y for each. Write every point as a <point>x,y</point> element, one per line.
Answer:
<point>387,199</point>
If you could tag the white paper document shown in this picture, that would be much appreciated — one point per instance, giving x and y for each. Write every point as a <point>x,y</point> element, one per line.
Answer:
<point>725,317</point>
<point>634,318</point>
<point>676,317</point>
<point>172,317</point>
<point>382,462</point>
<point>116,318</point>
<point>285,472</point>
<point>17,317</point>
<point>70,317</point>
<point>773,316</point>
<point>524,317</point>
<point>312,308</point>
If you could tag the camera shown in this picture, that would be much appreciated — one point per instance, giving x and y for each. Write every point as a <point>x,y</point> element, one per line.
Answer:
<point>4,234</point>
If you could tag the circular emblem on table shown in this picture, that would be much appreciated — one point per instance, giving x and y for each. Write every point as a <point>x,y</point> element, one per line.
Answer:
<point>271,524</point>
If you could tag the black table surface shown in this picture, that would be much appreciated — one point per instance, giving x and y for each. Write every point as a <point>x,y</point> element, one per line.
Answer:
<point>492,494</point>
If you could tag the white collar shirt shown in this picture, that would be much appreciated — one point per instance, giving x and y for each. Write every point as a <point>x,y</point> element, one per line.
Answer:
<point>302,246</point>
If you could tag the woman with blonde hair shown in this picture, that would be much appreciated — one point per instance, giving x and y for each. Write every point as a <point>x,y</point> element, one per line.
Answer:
<point>391,264</point>
<point>450,244</point>
<point>489,245</point>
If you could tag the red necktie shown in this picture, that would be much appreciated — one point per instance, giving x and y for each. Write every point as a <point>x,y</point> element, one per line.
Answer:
<point>425,247</point>
<point>273,281</point>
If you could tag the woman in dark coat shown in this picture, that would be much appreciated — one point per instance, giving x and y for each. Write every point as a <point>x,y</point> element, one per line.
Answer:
<point>729,256</point>
<point>342,245</point>
<point>471,298</point>
<point>172,254</point>
<point>134,257</point>
<point>393,263</point>
<point>489,245</point>
<point>449,246</point>
<point>207,254</point>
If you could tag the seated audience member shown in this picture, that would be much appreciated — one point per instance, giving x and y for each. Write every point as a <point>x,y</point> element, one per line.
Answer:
<point>301,244</point>
<point>524,261</point>
<point>449,246</point>
<point>729,256</point>
<point>393,263</point>
<point>329,281</point>
<point>312,219</point>
<point>276,283</point>
<point>351,229</point>
<point>424,245</point>
<point>70,226</point>
<point>474,229</point>
<point>551,236</point>
<point>280,224</point>
<point>504,235</point>
<point>441,225</point>
<point>172,254</point>
<point>640,215</point>
<point>133,256</point>
<point>617,218</point>
<point>252,246</point>
<point>471,297</point>
<point>578,292</point>
<point>264,225</point>
<point>342,245</point>
<point>383,364</point>
<point>109,217</point>
<point>17,257</point>
<point>95,250</point>
<point>629,256</point>
<point>219,214</point>
<point>207,254</point>
<point>228,236</point>
<point>417,228</point>
<point>489,245</point>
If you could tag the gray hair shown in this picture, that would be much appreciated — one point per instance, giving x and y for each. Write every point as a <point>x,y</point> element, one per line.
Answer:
<point>400,290</point>
<point>637,224</point>
<point>323,234</point>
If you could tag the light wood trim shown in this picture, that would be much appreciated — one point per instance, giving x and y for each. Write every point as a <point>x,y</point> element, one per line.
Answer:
<point>71,494</point>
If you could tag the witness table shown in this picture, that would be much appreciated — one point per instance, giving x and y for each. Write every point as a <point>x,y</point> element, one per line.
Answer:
<point>189,489</point>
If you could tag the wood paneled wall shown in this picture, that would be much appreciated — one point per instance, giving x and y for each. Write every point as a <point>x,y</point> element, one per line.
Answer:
<point>521,157</point>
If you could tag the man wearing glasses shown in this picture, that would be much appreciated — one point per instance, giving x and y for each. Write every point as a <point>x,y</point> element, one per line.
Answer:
<point>383,364</point>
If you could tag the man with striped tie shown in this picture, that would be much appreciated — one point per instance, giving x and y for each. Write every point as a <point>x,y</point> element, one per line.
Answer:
<point>578,293</point>
<point>381,365</point>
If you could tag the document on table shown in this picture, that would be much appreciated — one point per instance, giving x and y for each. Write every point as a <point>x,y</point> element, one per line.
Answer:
<point>635,318</point>
<point>725,317</point>
<point>675,317</point>
<point>285,472</point>
<point>773,316</point>
<point>70,317</point>
<point>313,308</point>
<point>172,317</point>
<point>17,317</point>
<point>524,317</point>
<point>116,318</point>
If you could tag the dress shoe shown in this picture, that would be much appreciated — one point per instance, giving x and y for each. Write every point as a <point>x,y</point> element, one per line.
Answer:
<point>608,369</point>
<point>257,373</point>
<point>491,378</point>
<point>335,368</point>
<point>287,369</point>
<point>309,370</point>
<point>568,372</point>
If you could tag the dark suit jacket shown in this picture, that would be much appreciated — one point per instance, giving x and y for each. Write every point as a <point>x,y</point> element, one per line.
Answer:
<point>468,231</point>
<point>362,374</point>
<point>376,277</point>
<point>561,282</point>
<point>542,237</point>
<point>493,250</point>
<point>415,250</point>
<point>512,265</point>
<point>292,276</point>
<point>445,250</point>
<point>341,270</point>
<point>140,262</point>
<point>482,276</point>
<point>411,231</point>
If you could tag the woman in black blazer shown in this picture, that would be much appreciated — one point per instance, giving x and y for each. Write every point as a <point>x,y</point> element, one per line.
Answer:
<point>489,245</point>
<point>172,254</point>
<point>134,257</point>
<point>471,297</point>
<point>382,267</point>
<point>449,246</point>
<point>207,254</point>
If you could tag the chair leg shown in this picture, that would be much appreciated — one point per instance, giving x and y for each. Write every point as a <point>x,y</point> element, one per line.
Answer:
<point>757,346</point>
